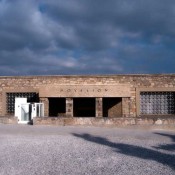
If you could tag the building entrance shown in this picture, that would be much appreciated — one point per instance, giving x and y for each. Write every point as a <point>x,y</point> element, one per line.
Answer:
<point>84,107</point>
<point>57,107</point>
<point>27,111</point>
<point>112,107</point>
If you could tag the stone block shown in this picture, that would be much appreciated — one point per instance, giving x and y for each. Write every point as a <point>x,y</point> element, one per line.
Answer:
<point>144,121</point>
<point>158,122</point>
<point>8,120</point>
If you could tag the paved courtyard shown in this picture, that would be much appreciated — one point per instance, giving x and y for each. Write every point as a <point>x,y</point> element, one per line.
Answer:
<point>29,150</point>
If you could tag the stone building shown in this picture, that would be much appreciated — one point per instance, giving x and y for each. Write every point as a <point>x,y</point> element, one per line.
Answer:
<point>93,96</point>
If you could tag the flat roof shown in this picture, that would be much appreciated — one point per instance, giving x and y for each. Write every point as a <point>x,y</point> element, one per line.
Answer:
<point>88,76</point>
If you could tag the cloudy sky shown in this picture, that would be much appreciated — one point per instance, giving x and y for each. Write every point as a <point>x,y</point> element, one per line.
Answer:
<point>49,37</point>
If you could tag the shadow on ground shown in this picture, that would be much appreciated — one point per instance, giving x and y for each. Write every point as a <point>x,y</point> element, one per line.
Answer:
<point>167,147</point>
<point>132,150</point>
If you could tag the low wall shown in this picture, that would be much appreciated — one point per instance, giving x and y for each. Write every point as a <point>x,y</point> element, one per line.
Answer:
<point>114,122</point>
<point>8,120</point>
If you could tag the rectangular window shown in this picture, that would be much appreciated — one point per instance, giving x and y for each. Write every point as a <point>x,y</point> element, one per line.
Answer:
<point>154,103</point>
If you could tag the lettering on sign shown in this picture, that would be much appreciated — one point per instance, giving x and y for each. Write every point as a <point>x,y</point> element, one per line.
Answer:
<point>85,91</point>
<point>82,90</point>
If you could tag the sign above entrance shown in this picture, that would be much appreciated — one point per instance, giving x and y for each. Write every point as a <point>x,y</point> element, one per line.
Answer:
<point>85,91</point>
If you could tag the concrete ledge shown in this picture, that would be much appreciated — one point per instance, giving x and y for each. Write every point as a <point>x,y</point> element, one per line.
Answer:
<point>114,122</point>
<point>8,120</point>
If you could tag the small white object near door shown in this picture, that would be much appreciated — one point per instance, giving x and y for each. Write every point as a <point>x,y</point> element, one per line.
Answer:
<point>37,110</point>
<point>22,110</point>
<point>27,111</point>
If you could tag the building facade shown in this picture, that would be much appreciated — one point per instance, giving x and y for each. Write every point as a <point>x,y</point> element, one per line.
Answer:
<point>108,96</point>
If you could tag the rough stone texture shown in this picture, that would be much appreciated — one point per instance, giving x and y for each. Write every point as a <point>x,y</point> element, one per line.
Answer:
<point>69,107</point>
<point>114,122</point>
<point>158,122</point>
<point>99,107</point>
<point>116,110</point>
<point>133,82</point>
<point>49,121</point>
<point>125,107</point>
<point>8,120</point>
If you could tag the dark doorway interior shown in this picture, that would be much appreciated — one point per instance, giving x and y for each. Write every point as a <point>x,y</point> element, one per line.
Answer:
<point>57,107</point>
<point>112,107</point>
<point>84,107</point>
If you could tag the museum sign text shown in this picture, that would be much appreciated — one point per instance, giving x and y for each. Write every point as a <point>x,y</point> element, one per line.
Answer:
<point>85,91</point>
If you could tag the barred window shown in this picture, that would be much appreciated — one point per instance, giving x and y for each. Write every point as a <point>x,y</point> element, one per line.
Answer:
<point>10,99</point>
<point>157,103</point>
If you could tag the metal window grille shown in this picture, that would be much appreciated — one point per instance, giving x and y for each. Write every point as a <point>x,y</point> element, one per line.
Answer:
<point>157,103</point>
<point>10,99</point>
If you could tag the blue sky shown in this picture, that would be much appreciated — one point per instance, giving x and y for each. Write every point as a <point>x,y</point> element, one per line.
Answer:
<point>49,37</point>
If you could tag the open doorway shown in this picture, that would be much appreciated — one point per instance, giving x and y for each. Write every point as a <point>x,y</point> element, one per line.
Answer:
<point>84,107</point>
<point>112,107</point>
<point>57,107</point>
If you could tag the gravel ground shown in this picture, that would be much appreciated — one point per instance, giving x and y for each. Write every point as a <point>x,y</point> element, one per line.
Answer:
<point>29,150</point>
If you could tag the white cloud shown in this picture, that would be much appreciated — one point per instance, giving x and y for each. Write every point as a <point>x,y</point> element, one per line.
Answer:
<point>86,37</point>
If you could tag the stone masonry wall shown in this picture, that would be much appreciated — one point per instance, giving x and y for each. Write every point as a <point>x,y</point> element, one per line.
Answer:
<point>126,107</point>
<point>116,110</point>
<point>18,84</point>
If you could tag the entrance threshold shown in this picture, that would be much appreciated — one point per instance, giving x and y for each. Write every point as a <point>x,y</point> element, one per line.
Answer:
<point>24,122</point>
